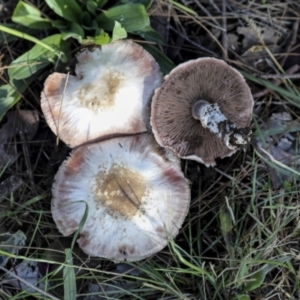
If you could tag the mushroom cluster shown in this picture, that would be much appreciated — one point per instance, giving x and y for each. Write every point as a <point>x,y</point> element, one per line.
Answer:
<point>132,184</point>
<point>134,190</point>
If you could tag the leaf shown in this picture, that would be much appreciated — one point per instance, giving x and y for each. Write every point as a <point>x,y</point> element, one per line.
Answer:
<point>288,95</point>
<point>28,15</point>
<point>227,228</point>
<point>257,278</point>
<point>118,33</point>
<point>68,9</point>
<point>132,17</point>
<point>75,32</point>
<point>61,24</point>
<point>146,3</point>
<point>8,38</point>
<point>8,98</point>
<point>101,3</point>
<point>165,63</point>
<point>241,297</point>
<point>36,58</point>
<point>17,239</point>
<point>28,37</point>
<point>69,277</point>
<point>88,22</point>
<point>149,34</point>
<point>11,93</point>
<point>183,8</point>
<point>91,7</point>
<point>29,271</point>
<point>101,39</point>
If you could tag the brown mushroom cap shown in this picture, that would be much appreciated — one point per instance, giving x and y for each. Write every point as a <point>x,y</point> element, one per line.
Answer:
<point>109,96</point>
<point>207,79</point>
<point>135,191</point>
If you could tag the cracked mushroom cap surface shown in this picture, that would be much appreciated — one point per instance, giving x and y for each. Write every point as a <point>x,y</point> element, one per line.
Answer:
<point>136,193</point>
<point>207,79</point>
<point>109,96</point>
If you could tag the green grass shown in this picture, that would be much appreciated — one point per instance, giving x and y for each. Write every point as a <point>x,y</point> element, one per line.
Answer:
<point>240,239</point>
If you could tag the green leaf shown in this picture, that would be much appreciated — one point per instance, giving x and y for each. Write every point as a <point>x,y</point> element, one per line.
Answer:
<point>88,22</point>
<point>146,3</point>
<point>11,93</point>
<point>8,98</point>
<point>28,15</point>
<point>227,228</point>
<point>288,95</point>
<point>257,278</point>
<point>101,39</point>
<point>183,7</point>
<point>118,33</point>
<point>28,37</point>
<point>132,17</point>
<point>165,63</point>
<point>68,9</point>
<point>8,38</point>
<point>100,3</point>
<point>61,24</point>
<point>69,277</point>
<point>75,32</point>
<point>91,6</point>
<point>36,58</point>
<point>149,34</point>
<point>241,297</point>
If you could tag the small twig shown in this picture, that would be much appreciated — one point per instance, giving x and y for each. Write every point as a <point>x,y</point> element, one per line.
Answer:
<point>60,108</point>
<point>266,91</point>
<point>207,12</point>
<point>28,283</point>
<point>168,23</point>
<point>191,42</point>
<point>224,31</point>
<point>214,6</point>
<point>280,76</point>
<point>292,41</point>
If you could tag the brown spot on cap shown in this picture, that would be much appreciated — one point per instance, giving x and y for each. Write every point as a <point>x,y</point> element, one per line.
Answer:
<point>121,190</point>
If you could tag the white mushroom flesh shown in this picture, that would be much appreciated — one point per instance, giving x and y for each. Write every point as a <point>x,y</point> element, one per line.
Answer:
<point>211,117</point>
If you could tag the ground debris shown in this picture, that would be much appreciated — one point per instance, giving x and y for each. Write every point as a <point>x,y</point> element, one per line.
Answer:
<point>9,185</point>
<point>11,243</point>
<point>278,144</point>
<point>22,122</point>
<point>29,272</point>
<point>254,43</point>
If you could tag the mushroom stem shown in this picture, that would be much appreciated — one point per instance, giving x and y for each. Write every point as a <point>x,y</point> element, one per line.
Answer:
<point>212,118</point>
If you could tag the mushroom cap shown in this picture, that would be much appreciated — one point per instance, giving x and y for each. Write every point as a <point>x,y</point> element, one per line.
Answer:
<point>207,79</point>
<point>110,95</point>
<point>136,194</point>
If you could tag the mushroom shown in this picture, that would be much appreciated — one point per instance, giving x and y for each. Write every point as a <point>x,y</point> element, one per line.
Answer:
<point>109,96</point>
<point>202,111</point>
<point>136,194</point>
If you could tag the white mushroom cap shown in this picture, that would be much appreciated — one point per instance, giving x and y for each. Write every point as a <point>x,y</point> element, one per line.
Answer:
<point>136,194</point>
<point>109,96</point>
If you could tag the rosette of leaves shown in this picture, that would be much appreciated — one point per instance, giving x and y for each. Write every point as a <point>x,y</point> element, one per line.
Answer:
<point>89,22</point>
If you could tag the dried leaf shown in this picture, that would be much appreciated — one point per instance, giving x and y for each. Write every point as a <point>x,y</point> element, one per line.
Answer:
<point>9,185</point>
<point>10,244</point>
